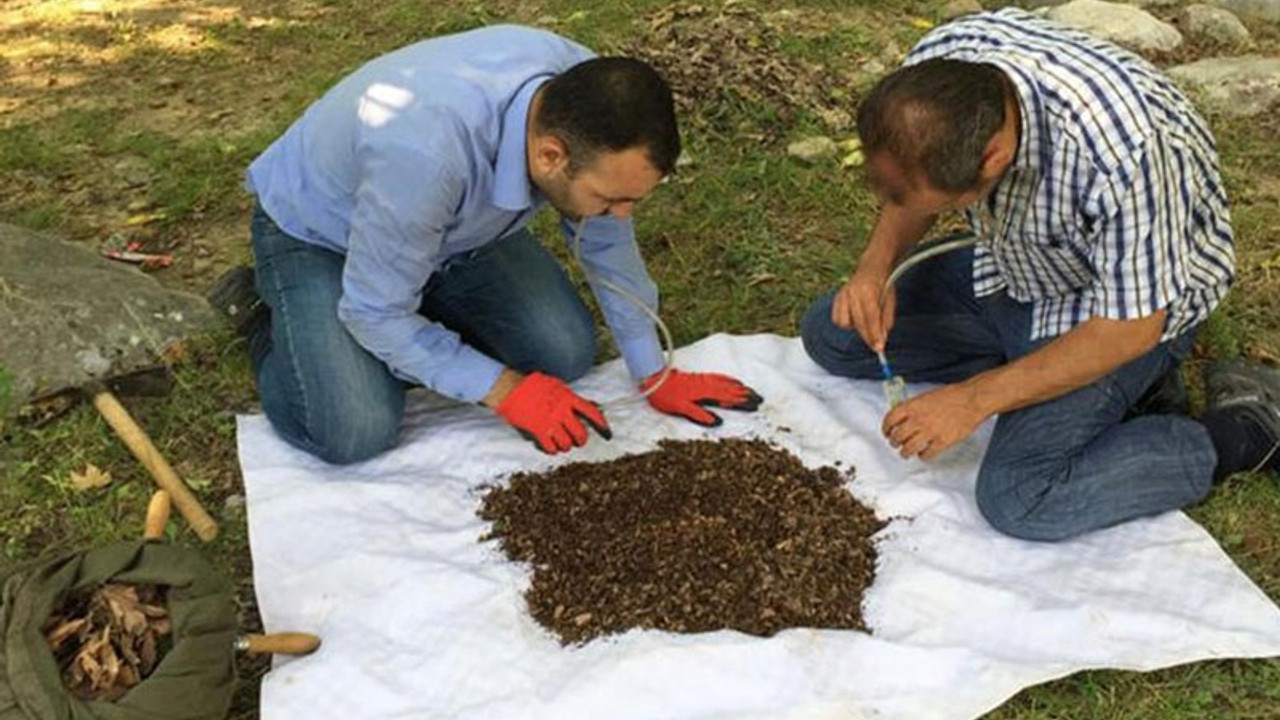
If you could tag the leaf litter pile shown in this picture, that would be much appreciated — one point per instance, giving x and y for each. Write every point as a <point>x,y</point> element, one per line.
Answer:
<point>692,537</point>
<point>717,58</point>
<point>109,638</point>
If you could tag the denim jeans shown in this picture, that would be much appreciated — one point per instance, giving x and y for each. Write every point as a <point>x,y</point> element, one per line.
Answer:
<point>1067,466</point>
<point>324,393</point>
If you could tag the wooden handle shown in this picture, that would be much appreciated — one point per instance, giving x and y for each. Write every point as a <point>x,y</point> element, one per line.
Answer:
<point>157,516</point>
<point>285,643</point>
<point>140,445</point>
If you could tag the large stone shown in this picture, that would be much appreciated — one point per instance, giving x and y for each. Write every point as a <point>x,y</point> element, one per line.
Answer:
<point>1215,25</point>
<point>813,149</point>
<point>1152,3</point>
<point>69,316</point>
<point>1124,25</point>
<point>1262,9</point>
<point>1244,86</point>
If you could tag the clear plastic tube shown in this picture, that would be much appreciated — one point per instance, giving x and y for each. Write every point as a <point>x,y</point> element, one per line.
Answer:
<point>669,350</point>
<point>895,388</point>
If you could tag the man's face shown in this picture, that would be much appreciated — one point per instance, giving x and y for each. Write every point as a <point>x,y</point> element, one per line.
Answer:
<point>612,183</point>
<point>912,192</point>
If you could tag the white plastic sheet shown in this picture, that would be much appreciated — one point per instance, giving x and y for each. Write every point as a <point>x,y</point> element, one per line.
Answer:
<point>422,621</point>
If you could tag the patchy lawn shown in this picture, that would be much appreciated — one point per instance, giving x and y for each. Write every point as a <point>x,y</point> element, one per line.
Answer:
<point>137,118</point>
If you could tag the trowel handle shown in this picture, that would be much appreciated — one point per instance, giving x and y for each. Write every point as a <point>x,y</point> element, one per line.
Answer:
<point>142,448</point>
<point>285,643</point>
<point>157,516</point>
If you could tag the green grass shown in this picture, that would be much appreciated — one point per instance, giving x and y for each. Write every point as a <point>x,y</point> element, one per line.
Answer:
<point>7,398</point>
<point>740,242</point>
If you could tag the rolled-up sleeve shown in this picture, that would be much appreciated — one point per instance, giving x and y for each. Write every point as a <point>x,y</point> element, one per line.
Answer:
<point>609,252</point>
<point>404,202</point>
<point>1142,211</point>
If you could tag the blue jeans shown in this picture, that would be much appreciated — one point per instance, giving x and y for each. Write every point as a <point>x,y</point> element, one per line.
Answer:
<point>1067,466</point>
<point>324,393</point>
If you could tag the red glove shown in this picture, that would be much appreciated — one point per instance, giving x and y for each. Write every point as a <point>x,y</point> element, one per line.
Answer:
<point>687,394</point>
<point>550,415</point>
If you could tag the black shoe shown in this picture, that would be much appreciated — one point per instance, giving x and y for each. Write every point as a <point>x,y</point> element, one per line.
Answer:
<point>233,294</point>
<point>1251,393</point>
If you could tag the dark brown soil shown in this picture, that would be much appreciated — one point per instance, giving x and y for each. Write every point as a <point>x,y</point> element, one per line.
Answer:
<point>692,537</point>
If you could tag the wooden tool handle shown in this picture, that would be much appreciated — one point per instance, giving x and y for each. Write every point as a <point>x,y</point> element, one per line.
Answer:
<point>157,516</point>
<point>285,643</point>
<point>140,445</point>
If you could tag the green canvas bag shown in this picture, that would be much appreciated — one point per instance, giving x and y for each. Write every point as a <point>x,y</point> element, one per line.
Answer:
<point>193,681</point>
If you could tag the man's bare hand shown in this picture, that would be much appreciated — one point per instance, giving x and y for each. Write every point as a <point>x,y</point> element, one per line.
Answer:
<point>928,424</point>
<point>862,305</point>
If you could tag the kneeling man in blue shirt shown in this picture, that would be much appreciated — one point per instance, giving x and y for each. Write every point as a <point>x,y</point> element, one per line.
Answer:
<point>391,245</point>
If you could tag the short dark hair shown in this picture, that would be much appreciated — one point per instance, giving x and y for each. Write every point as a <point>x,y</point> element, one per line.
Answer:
<point>935,117</point>
<point>611,104</point>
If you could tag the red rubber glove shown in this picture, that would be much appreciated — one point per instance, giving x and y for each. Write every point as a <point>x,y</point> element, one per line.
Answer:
<point>550,415</point>
<point>686,394</point>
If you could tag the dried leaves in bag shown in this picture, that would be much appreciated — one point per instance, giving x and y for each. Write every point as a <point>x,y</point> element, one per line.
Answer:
<point>109,638</point>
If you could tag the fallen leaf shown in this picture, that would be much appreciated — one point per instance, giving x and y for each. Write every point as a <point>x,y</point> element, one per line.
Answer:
<point>144,218</point>
<point>63,631</point>
<point>921,23</point>
<point>175,354</point>
<point>93,477</point>
<point>853,159</point>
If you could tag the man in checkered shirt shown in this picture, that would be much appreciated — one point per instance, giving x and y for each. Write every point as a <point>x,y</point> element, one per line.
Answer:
<point>1104,241</point>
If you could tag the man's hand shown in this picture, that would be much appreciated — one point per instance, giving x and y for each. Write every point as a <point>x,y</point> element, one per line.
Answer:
<point>686,395</point>
<point>864,305</point>
<point>927,424</point>
<point>550,415</point>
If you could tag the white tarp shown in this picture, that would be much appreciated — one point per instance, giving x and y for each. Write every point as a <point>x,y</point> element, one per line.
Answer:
<point>422,621</point>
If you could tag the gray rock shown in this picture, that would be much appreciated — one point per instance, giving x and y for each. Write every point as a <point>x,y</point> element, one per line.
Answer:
<point>1244,86</point>
<point>69,316</point>
<point>1122,24</point>
<point>1215,25</point>
<point>960,8</point>
<point>1262,9</point>
<point>813,149</point>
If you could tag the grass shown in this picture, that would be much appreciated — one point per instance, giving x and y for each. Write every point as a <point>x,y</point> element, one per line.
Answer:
<point>739,241</point>
<point>6,395</point>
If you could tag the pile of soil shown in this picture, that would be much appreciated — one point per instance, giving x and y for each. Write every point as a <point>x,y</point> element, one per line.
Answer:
<point>109,638</point>
<point>692,537</point>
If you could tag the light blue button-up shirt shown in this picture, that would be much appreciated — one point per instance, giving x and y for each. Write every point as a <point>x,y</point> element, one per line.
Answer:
<point>419,156</point>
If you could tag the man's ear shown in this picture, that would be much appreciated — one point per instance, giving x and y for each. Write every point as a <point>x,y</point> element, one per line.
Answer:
<point>997,157</point>
<point>549,155</point>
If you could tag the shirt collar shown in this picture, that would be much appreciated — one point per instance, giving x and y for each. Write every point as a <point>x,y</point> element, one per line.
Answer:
<point>511,188</point>
<point>1031,128</point>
